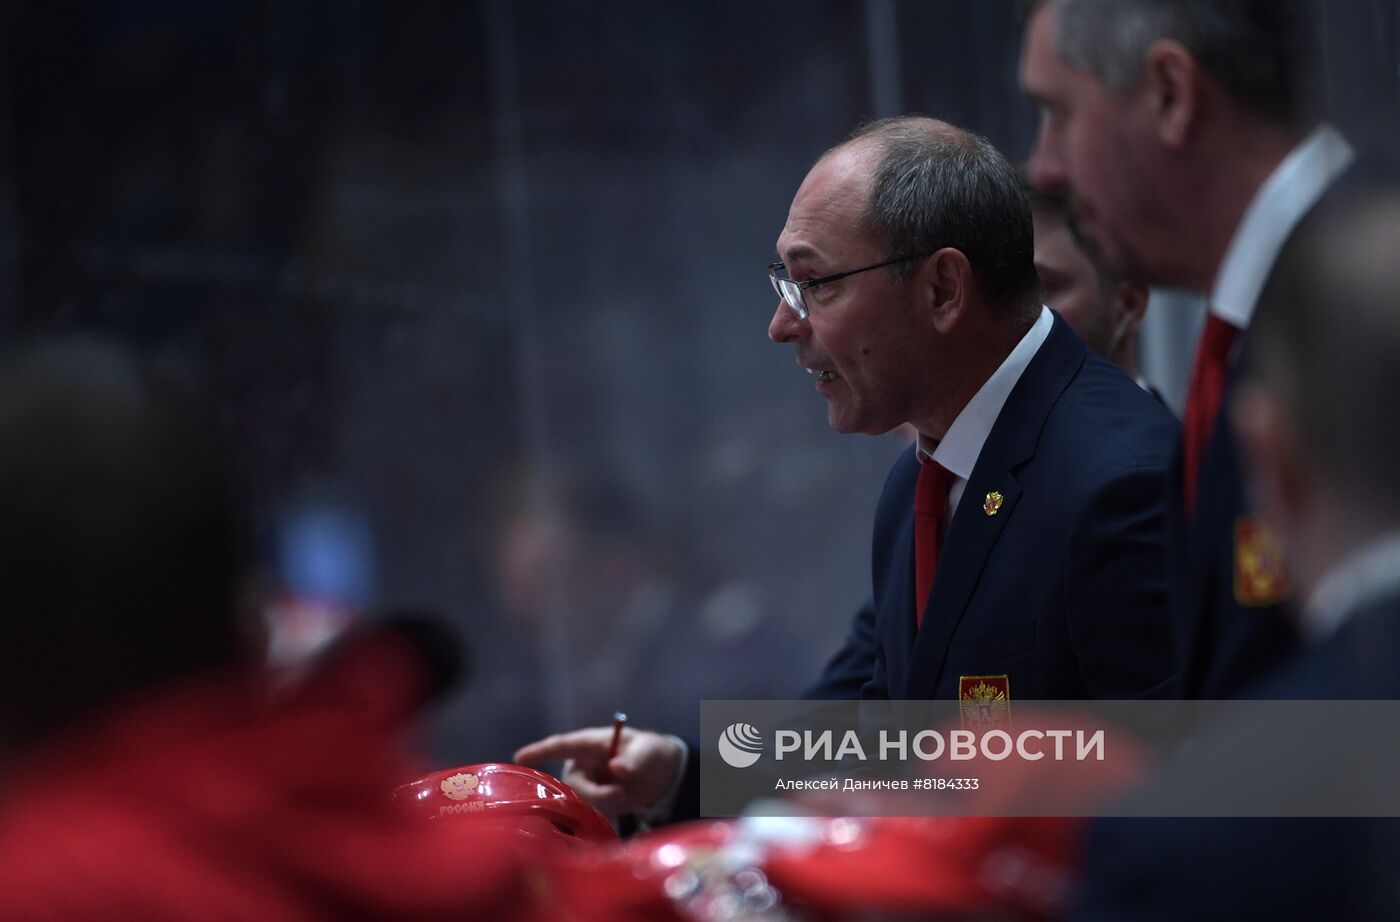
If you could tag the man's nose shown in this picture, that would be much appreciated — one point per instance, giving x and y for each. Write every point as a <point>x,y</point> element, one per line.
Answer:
<point>1046,168</point>
<point>785,327</point>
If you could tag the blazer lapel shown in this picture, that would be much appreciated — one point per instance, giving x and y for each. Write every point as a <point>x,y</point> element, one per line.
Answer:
<point>973,534</point>
<point>1205,532</point>
<point>971,538</point>
<point>901,627</point>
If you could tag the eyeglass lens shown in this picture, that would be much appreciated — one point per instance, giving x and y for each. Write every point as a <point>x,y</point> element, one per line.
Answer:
<point>791,293</point>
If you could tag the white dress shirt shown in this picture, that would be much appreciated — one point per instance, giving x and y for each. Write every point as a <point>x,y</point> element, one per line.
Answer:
<point>960,447</point>
<point>1292,188</point>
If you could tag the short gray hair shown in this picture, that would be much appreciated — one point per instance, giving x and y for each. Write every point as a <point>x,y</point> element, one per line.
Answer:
<point>1260,51</point>
<point>938,186</point>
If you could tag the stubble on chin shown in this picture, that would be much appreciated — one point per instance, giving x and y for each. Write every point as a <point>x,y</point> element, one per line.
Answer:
<point>841,419</point>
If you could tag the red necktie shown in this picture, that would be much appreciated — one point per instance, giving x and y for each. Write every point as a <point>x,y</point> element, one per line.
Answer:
<point>1208,377</point>
<point>930,509</point>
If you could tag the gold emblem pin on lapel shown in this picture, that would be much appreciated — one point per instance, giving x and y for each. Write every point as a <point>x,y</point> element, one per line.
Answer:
<point>992,504</point>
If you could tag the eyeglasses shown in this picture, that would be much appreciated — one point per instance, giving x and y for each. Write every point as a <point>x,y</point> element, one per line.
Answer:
<point>791,291</point>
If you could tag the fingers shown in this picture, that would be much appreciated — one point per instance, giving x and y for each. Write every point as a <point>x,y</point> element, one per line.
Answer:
<point>612,799</point>
<point>631,779</point>
<point>591,744</point>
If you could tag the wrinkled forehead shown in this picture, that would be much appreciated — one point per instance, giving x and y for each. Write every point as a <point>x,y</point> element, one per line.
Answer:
<point>827,219</point>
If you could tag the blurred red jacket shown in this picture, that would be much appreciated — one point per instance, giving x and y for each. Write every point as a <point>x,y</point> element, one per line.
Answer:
<point>206,802</point>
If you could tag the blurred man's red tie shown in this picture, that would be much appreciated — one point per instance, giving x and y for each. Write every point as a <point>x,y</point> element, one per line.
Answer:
<point>1208,377</point>
<point>930,509</point>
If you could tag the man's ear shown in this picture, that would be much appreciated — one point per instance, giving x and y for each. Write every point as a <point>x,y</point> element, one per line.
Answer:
<point>1275,469</point>
<point>946,282</point>
<point>1172,86</point>
<point>1129,307</point>
<point>1126,307</point>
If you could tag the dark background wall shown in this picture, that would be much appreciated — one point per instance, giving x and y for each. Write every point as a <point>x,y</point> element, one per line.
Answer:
<point>442,263</point>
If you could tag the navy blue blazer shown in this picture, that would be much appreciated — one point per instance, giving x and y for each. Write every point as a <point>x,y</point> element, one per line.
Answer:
<point>1064,589</point>
<point>1223,643</point>
<point>1226,644</point>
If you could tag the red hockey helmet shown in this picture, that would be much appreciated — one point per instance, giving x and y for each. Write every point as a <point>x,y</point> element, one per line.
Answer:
<point>535,802</point>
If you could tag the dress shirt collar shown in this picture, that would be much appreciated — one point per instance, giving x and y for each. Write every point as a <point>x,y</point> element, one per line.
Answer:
<point>960,447</point>
<point>1292,188</point>
<point>1363,576</point>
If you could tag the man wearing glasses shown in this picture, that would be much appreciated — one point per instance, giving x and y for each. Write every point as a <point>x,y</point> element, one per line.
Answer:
<point>1018,548</point>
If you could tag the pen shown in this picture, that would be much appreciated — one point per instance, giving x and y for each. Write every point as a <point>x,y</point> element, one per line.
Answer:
<point>619,720</point>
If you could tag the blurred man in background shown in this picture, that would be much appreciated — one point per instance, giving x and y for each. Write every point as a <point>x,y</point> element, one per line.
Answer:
<point>583,574</point>
<point>149,771</point>
<point>1185,133</point>
<point>1327,472</point>
<point>1102,307</point>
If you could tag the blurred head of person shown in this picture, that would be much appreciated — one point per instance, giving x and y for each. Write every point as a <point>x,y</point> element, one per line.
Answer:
<point>1103,308</point>
<point>578,545</point>
<point>119,553</point>
<point>1322,450</point>
<point>909,250</point>
<point>1161,119</point>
